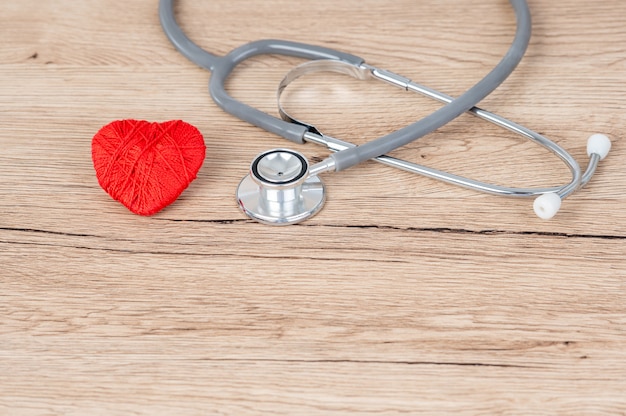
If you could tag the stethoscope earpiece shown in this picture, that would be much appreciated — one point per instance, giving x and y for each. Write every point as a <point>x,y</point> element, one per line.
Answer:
<point>279,190</point>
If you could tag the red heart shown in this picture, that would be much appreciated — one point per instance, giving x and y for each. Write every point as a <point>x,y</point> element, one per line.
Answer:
<point>145,165</point>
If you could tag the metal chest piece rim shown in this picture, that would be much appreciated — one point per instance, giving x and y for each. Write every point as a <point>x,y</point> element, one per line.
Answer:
<point>278,189</point>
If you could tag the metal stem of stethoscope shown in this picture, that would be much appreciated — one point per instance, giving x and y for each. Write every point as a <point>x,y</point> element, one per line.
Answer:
<point>549,199</point>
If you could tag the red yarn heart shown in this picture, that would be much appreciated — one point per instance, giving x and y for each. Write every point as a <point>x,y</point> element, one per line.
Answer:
<point>144,165</point>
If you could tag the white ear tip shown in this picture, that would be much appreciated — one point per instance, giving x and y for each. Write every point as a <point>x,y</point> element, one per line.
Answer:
<point>599,144</point>
<point>547,205</point>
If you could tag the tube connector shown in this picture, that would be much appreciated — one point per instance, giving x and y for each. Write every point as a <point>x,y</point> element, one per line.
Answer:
<point>326,165</point>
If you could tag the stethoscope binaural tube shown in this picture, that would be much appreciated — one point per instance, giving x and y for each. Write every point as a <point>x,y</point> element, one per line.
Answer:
<point>548,200</point>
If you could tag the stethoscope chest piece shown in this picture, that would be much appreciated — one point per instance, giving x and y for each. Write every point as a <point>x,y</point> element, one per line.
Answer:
<point>279,190</point>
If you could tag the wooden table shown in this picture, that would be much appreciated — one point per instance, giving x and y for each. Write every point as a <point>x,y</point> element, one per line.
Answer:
<point>404,295</point>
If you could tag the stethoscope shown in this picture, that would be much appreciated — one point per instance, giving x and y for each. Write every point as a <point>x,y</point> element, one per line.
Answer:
<point>281,186</point>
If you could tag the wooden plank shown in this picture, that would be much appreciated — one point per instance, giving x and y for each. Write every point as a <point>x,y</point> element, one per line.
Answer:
<point>402,296</point>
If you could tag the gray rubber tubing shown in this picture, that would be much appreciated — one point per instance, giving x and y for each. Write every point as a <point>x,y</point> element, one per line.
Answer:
<point>221,67</point>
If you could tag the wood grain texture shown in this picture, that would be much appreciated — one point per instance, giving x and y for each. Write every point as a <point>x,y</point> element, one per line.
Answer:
<point>402,296</point>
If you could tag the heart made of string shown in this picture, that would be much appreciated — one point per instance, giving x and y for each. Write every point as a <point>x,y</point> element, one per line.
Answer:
<point>147,165</point>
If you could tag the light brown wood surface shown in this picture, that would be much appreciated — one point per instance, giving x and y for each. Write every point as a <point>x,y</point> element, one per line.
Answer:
<point>403,296</point>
